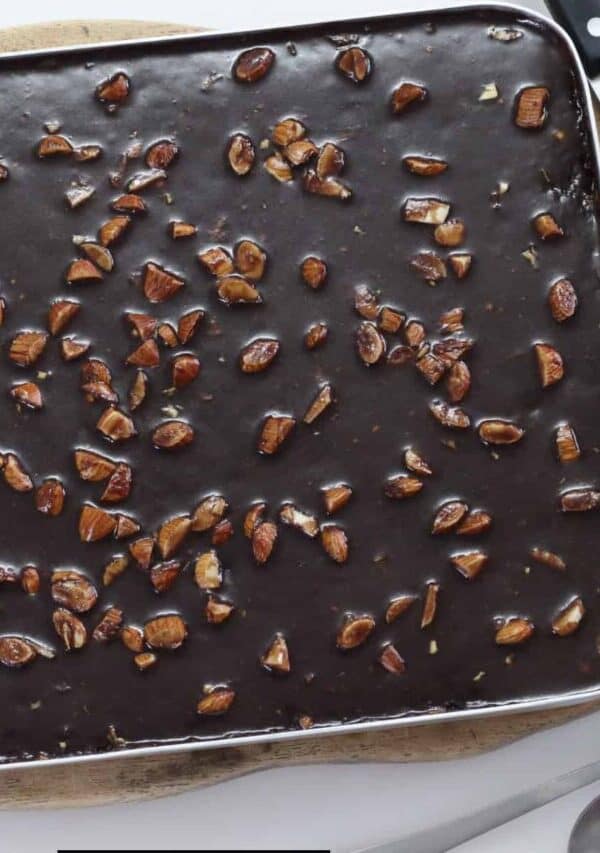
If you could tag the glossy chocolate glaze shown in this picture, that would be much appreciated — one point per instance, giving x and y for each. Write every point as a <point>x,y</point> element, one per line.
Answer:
<point>66,705</point>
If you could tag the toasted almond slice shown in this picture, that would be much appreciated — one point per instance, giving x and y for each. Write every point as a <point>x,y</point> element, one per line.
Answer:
<point>427,211</point>
<point>144,660</point>
<point>100,255</point>
<point>320,403</point>
<point>253,518</point>
<point>129,203</point>
<point>415,462</point>
<point>366,302</point>
<point>71,349</point>
<point>16,651</point>
<point>172,533</point>
<point>568,620</point>
<point>470,563</point>
<point>264,537</point>
<point>253,64</point>
<point>500,432</point>
<point>354,631</point>
<point>277,656</point>
<point>138,390</point>
<point>208,573</point>
<point>258,355</point>
<point>514,631</point>
<point>164,575</point>
<point>354,63</point>
<point>143,180</point>
<point>132,638</point>
<point>335,542</point>
<point>300,152</point>
<point>398,606</point>
<point>448,516</point>
<point>425,166</point>
<point>402,486</point>
<point>336,497</point>
<point>548,558</point>
<point>217,702</point>
<point>189,324</point>
<point>73,590</point>
<point>458,381</point>
<point>250,260</point>
<point>390,321</point>
<point>450,233</point>
<point>50,497</point>
<point>475,522</point>
<point>430,604</point>
<point>217,261</point>
<point>60,313</point>
<point>431,367</point>
<point>391,660</point>
<point>291,515</point>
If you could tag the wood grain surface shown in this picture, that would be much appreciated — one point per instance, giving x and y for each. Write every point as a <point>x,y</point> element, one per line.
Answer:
<point>138,777</point>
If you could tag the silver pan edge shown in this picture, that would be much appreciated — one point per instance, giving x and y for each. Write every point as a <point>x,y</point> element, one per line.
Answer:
<point>417,718</point>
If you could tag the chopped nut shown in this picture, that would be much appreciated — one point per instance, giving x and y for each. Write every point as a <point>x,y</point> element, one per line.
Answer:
<point>505,34</point>
<point>450,350</point>
<point>71,349</point>
<point>402,486</point>
<point>365,302</point>
<point>217,610</point>
<point>451,321</point>
<point>250,260</point>
<point>274,431</point>
<point>114,90</point>
<point>291,515</point>
<point>451,233</point>
<point>253,517</point>
<point>70,629</point>
<point>112,230</point>
<point>430,604</point>
<point>99,391</point>
<point>336,497</point>
<point>30,580</point>
<point>119,485</point>
<point>264,537</point>
<point>114,568</point>
<point>146,355</point>
<point>354,63</point>
<point>390,320</point>
<point>216,702</point>
<point>458,382</point>
<point>180,230</point>
<point>461,264</point>
<point>95,523</point>
<point>188,325</point>
<point>143,180</point>
<point>398,606</point>
<point>207,570</point>
<point>546,227</point>
<point>16,651</point>
<point>567,446</point>
<point>287,131</point>
<point>138,390</point>
<point>330,162</point>
<point>184,369</point>
<point>425,166</point>
<point>354,631</point>
<point>78,194</point>
<point>251,65</point>
<point>92,466</point>
<point>100,255</point>
<point>141,551</point>
<point>335,542</point>
<point>299,152</point>
<point>550,364</point>
<point>314,271</point>
<point>405,94</point>
<point>115,425</point>
<point>330,187</point>
<point>235,289</point>
<point>27,347</point>
<point>278,168</point>
<point>277,656</point>
<point>167,335</point>
<point>164,575</point>
<point>145,660</point>
<point>50,497</point>
<point>429,266</point>
<point>159,284</point>
<point>165,632</point>
<point>208,513</point>
<point>73,590</point>
<point>172,435</point>
<point>415,462</point>
<point>569,618</point>
<point>562,299</point>
<point>161,154</point>
<point>514,631</point>
<point>222,532</point>
<point>144,326</point>
<point>172,533</point>
<point>217,261</point>
<point>531,112</point>
<point>258,355</point>
<point>391,660</point>
<point>82,270</point>
<point>400,355</point>
<point>477,521</point>
<point>580,500</point>
<point>431,367</point>
<point>500,432</point>
<point>129,203</point>
<point>469,564</point>
<point>548,558</point>
<point>448,516</point>
<point>322,401</point>
<point>450,416</point>
<point>370,343</point>
<point>52,145</point>
<point>428,211</point>
<point>132,638</point>
<point>490,92</point>
<point>316,336</point>
<point>27,394</point>
<point>15,475</point>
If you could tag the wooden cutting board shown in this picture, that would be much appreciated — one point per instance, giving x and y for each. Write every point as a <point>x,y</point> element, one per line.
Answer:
<point>139,778</point>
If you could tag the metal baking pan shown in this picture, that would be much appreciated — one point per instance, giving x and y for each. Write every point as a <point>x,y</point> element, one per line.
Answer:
<point>541,703</point>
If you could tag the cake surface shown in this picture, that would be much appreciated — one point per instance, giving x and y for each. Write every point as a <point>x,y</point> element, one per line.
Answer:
<point>299,336</point>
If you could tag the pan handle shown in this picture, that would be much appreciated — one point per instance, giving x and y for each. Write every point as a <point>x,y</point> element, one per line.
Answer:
<point>581,19</point>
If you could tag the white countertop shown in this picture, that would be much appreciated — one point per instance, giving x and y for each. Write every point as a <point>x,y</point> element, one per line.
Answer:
<point>341,807</point>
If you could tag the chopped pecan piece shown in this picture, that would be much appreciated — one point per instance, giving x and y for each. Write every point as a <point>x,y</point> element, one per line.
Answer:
<point>398,606</point>
<point>119,485</point>
<point>291,515</point>
<point>548,558</point>
<point>475,522</point>
<point>458,381</point>
<point>334,542</point>
<point>354,631</point>
<point>50,497</point>
<point>189,324</point>
<point>114,90</point>
<point>27,394</point>
<point>550,364</point>
<point>279,168</point>
<point>448,516</point>
<point>500,432</point>
<point>92,466</point>
<point>330,162</point>
<point>141,551</point>
<point>451,233</point>
<point>562,299</point>
<point>313,271</point>
<point>73,590</point>
<point>514,631</point>
<point>252,65</point>
<point>19,651</point>
<point>461,264</point>
<point>60,313</point>
<point>470,563</point>
<point>316,336</point>
<point>430,604</point>
<point>546,227</point>
<point>109,626</point>
<point>253,517</point>
<point>216,702</point>
<point>165,632</point>
<point>237,290</point>
<point>129,203</point>
<point>580,500</point>
<point>402,486</point>
<point>568,620</point>
<point>15,475</point>
<point>27,347</point>
<point>322,401</point>
<point>274,431</point>
<point>250,260</point>
<point>115,425</point>
<point>217,610</point>
<point>258,355</point>
<point>95,523</point>
<point>53,145</point>
<point>70,629</point>
<point>390,320</point>
<point>391,660</point>
<point>138,390</point>
<point>208,513</point>
<point>405,94</point>
<point>159,284</point>
<point>208,573</point>
<point>264,537</point>
<point>184,369</point>
<point>82,270</point>
<point>330,187</point>
<point>111,230</point>
<point>449,416</point>
<point>277,656</point>
<point>370,343</point>
<point>531,112</point>
<point>336,497</point>
<point>427,211</point>
<point>425,166</point>
<point>172,533</point>
<point>171,435</point>
<point>429,266</point>
<point>354,63</point>
<point>287,131</point>
<point>114,569</point>
<point>164,575</point>
<point>567,446</point>
<point>30,580</point>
